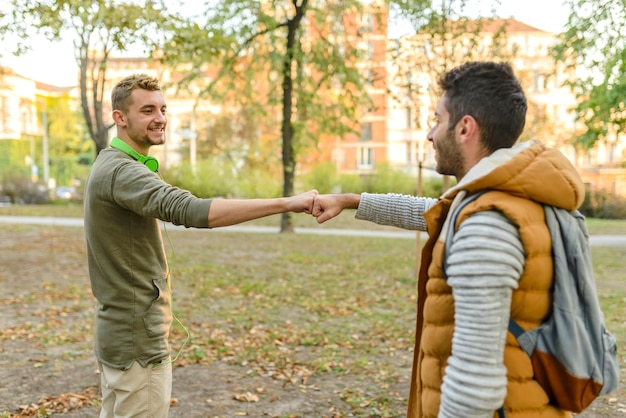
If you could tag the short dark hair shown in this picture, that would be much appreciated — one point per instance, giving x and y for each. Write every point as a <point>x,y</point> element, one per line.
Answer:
<point>492,95</point>
<point>121,98</point>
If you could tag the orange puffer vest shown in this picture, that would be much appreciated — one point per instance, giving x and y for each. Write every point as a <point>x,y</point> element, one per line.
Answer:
<point>530,305</point>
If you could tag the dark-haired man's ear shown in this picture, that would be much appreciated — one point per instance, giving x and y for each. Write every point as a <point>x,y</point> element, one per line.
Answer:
<point>467,129</point>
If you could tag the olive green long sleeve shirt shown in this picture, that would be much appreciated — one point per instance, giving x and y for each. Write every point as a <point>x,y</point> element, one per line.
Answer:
<point>128,270</point>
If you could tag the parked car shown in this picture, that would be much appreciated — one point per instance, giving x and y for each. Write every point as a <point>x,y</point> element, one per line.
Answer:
<point>66,193</point>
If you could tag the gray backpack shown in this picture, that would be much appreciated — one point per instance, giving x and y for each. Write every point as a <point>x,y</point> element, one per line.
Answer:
<point>574,357</point>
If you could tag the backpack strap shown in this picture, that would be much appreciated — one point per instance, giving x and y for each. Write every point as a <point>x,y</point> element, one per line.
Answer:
<point>515,328</point>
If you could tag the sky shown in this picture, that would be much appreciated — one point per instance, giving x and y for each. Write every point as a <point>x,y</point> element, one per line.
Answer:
<point>54,62</point>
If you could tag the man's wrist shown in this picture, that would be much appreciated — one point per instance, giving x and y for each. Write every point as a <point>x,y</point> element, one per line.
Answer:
<point>351,201</point>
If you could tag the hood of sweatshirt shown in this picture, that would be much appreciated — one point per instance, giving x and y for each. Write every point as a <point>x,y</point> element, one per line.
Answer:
<point>529,170</point>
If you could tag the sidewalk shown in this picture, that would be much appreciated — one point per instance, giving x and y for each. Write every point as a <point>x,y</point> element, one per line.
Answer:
<point>594,240</point>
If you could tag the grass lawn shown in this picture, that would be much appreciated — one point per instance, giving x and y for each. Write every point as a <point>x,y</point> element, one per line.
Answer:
<point>289,306</point>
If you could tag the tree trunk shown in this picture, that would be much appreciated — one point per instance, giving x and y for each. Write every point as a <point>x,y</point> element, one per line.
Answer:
<point>288,155</point>
<point>93,69</point>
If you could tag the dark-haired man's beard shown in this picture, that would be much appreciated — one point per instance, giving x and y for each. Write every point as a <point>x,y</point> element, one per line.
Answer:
<point>450,161</point>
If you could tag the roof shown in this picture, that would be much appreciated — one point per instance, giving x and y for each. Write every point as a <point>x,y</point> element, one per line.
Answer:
<point>510,25</point>
<point>488,25</point>
<point>52,88</point>
<point>9,72</point>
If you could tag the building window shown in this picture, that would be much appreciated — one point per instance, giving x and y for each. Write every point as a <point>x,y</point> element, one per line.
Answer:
<point>26,116</point>
<point>370,51</point>
<point>338,26</point>
<point>367,23</point>
<point>366,132</point>
<point>409,152</point>
<point>365,157</point>
<point>367,50</point>
<point>612,152</point>
<point>4,114</point>
<point>539,81</point>
<point>409,118</point>
<point>369,77</point>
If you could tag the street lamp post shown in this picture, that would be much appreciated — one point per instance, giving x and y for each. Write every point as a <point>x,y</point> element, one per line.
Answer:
<point>191,136</point>
<point>46,159</point>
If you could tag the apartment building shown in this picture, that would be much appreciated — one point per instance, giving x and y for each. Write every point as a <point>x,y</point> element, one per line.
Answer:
<point>358,153</point>
<point>550,118</point>
<point>22,113</point>
<point>18,105</point>
<point>418,61</point>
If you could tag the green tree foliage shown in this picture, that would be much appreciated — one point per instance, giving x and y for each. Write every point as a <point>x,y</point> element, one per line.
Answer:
<point>325,178</point>
<point>12,158</point>
<point>260,59</point>
<point>97,28</point>
<point>70,149</point>
<point>230,134</point>
<point>291,64</point>
<point>216,177</point>
<point>594,46</point>
<point>444,36</point>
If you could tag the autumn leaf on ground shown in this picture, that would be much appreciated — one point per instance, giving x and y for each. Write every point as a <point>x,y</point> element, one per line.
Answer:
<point>247,397</point>
<point>63,403</point>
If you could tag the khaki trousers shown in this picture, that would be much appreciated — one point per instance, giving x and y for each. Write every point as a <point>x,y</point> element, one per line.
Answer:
<point>139,392</point>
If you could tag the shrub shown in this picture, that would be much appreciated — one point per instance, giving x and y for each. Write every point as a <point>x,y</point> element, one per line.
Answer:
<point>258,182</point>
<point>351,183</point>
<point>215,177</point>
<point>603,204</point>
<point>390,180</point>
<point>18,188</point>
<point>322,177</point>
<point>386,179</point>
<point>212,178</point>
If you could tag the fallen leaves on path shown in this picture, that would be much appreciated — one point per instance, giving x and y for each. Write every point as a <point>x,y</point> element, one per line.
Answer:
<point>63,403</point>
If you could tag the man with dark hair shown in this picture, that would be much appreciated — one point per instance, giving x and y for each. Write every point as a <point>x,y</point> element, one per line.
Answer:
<point>124,200</point>
<point>500,262</point>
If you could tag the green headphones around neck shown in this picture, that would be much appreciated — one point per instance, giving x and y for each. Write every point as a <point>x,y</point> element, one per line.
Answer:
<point>150,162</point>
